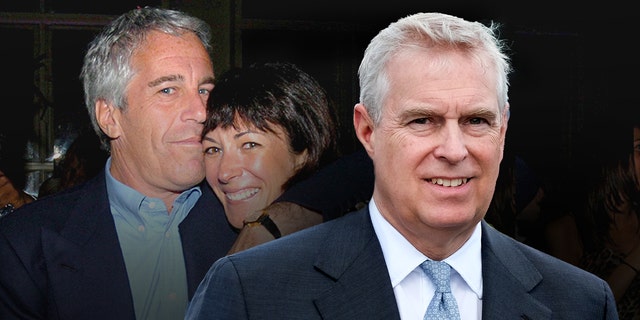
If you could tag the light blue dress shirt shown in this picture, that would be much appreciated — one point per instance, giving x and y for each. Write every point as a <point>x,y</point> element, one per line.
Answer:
<point>152,249</point>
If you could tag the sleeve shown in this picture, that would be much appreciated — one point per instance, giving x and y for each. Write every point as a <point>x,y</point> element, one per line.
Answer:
<point>20,297</point>
<point>336,188</point>
<point>219,295</point>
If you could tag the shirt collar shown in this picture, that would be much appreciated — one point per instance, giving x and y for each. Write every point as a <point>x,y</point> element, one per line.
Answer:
<point>402,257</point>
<point>127,199</point>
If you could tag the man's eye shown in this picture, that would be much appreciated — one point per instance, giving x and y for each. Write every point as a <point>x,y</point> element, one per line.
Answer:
<point>168,90</point>
<point>419,121</point>
<point>478,121</point>
<point>204,91</point>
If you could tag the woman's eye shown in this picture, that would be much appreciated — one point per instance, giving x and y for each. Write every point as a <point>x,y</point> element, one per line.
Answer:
<point>249,145</point>
<point>212,150</point>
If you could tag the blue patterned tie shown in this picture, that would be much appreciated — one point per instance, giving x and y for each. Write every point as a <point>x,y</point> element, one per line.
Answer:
<point>443,305</point>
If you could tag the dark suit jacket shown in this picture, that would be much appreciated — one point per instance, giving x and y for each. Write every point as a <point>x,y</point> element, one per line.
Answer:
<point>337,271</point>
<point>60,257</point>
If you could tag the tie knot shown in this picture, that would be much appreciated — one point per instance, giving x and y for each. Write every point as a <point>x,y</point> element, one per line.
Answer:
<point>439,272</point>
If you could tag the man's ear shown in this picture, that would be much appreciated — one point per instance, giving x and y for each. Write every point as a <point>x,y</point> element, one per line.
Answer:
<point>506,113</point>
<point>106,115</point>
<point>363,125</point>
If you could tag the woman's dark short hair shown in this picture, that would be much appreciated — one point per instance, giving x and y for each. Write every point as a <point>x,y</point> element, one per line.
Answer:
<point>280,94</point>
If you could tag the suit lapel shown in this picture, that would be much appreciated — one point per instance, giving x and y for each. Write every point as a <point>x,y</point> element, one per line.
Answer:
<point>363,288</point>
<point>508,278</point>
<point>206,236</point>
<point>84,259</point>
<point>86,263</point>
<point>355,261</point>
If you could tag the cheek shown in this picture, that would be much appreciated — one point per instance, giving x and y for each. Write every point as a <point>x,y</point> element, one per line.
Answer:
<point>280,167</point>
<point>405,151</point>
<point>211,171</point>
<point>259,164</point>
<point>392,142</point>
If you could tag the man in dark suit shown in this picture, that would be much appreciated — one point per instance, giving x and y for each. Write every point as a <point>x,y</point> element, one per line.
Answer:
<point>135,241</point>
<point>432,116</point>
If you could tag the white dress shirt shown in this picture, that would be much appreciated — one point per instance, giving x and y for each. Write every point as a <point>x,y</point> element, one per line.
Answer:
<point>412,288</point>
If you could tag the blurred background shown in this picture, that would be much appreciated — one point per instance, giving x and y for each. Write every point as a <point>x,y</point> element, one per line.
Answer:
<point>569,60</point>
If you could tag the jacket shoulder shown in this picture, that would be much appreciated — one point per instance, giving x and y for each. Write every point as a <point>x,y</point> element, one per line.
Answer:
<point>54,210</point>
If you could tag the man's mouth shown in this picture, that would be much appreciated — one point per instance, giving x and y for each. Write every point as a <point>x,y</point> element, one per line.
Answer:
<point>449,182</point>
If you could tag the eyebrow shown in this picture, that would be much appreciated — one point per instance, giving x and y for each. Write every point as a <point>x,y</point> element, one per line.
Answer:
<point>240,134</point>
<point>209,80</point>
<point>235,136</point>
<point>163,79</point>
<point>484,113</point>
<point>209,139</point>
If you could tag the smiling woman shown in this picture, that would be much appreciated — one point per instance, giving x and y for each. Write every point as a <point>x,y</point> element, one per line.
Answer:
<point>268,126</point>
